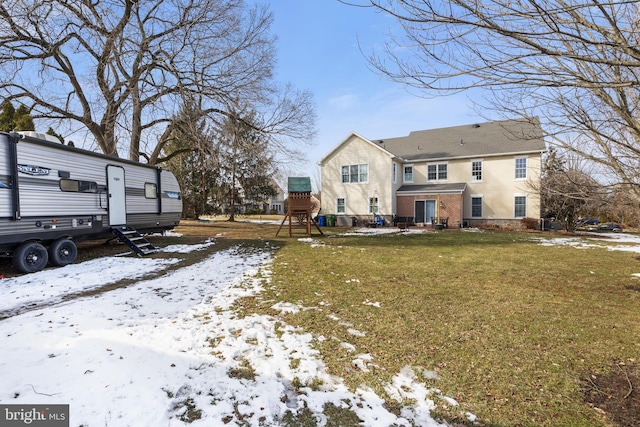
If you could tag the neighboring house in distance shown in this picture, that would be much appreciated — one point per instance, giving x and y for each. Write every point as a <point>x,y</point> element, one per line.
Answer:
<point>276,203</point>
<point>265,204</point>
<point>472,175</point>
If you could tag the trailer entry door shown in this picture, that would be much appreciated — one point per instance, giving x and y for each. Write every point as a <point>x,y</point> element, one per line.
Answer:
<point>116,189</point>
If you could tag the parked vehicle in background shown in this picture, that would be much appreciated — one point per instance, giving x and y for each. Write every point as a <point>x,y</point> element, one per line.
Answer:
<point>610,226</point>
<point>584,222</point>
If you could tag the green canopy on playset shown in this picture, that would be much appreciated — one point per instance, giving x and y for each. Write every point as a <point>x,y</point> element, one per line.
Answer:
<point>299,184</point>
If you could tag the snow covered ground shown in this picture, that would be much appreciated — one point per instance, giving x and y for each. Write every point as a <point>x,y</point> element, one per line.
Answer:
<point>169,350</point>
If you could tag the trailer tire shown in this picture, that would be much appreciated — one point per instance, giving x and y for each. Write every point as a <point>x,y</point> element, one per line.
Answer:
<point>62,252</point>
<point>30,257</point>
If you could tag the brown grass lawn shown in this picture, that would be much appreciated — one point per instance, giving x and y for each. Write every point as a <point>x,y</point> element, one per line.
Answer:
<point>519,334</point>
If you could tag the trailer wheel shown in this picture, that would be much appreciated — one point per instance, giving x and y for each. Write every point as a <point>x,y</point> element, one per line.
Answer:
<point>62,252</point>
<point>30,257</point>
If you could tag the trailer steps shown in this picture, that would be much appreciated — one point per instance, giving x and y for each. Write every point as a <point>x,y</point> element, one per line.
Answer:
<point>136,241</point>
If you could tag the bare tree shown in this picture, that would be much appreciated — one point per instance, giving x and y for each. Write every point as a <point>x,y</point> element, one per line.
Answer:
<point>568,191</point>
<point>576,65</point>
<point>122,69</point>
<point>246,157</point>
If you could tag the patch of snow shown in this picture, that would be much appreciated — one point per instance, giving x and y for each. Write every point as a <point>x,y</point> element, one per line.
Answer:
<point>184,249</point>
<point>472,230</point>
<point>373,304</point>
<point>313,242</point>
<point>586,241</point>
<point>360,362</point>
<point>53,284</point>
<point>286,307</point>
<point>349,347</point>
<point>364,231</point>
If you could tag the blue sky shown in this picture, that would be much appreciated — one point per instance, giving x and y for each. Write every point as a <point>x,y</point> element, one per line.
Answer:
<point>318,51</point>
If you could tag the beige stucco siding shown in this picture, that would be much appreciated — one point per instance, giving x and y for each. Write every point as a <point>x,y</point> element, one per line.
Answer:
<point>355,151</point>
<point>499,187</point>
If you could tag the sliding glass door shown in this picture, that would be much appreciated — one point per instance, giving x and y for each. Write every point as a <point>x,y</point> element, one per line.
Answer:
<point>424,211</point>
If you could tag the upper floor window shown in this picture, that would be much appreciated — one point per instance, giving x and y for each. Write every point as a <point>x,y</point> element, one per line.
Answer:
<point>394,172</point>
<point>521,168</point>
<point>437,171</point>
<point>355,173</point>
<point>408,173</point>
<point>476,170</point>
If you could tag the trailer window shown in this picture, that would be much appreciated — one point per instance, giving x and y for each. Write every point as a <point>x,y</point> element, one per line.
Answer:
<point>78,186</point>
<point>150,190</point>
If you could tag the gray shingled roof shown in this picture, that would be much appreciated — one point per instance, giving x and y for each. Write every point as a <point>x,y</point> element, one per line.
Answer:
<point>482,139</point>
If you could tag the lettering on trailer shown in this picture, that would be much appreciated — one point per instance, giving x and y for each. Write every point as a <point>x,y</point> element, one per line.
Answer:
<point>33,170</point>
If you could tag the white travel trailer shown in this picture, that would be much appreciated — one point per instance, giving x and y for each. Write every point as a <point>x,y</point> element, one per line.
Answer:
<point>52,195</point>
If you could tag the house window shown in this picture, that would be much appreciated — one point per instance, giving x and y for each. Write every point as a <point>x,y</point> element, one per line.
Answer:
<point>364,173</point>
<point>437,171</point>
<point>476,206</point>
<point>521,168</point>
<point>394,172</point>
<point>520,204</point>
<point>354,173</point>
<point>150,190</point>
<point>408,173</point>
<point>476,170</point>
<point>373,205</point>
<point>345,174</point>
<point>341,206</point>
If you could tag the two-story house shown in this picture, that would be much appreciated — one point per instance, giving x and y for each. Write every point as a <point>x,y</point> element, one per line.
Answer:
<point>476,174</point>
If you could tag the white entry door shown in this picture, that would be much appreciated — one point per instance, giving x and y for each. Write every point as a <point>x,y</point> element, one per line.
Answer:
<point>117,198</point>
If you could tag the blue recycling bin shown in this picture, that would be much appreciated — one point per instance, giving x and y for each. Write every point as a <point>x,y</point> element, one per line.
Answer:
<point>322,220</point>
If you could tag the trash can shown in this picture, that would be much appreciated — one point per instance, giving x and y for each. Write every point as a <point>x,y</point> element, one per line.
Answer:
<point>322,220</point>
<point>331,220</point>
